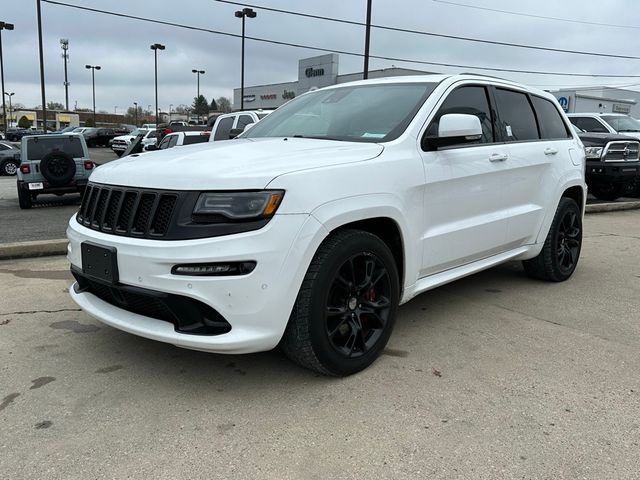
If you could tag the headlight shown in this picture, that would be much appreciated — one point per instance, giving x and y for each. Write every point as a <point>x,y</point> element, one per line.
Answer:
<point>236,206</point>
<point>593,153</point>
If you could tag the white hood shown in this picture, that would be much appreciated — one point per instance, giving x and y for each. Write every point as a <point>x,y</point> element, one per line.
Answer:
<point>230,165</point>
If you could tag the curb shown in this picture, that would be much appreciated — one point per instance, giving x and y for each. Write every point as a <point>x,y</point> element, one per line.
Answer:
<point>612,207</point>
<point>43,248</point>
<point>38,248</point>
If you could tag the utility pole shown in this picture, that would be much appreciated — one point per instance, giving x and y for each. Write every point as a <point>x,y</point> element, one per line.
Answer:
<point>41,51</point>
<point>64,44</point>
<point>367,36</point>
<point>136,114</point>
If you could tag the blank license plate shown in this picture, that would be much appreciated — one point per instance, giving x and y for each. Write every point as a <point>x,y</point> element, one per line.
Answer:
<point>99,262</point>
<point>36,186</point>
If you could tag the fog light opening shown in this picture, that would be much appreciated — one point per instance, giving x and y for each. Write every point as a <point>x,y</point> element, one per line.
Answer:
<point>215,269</point>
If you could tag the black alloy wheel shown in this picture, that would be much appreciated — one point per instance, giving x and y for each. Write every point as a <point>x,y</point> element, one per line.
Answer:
<point>568,241</point>
<point>358,305</point>
<point>346,307</point>
<point>561,250</point>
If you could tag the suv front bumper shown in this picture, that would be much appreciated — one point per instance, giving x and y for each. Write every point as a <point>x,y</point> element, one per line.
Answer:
<point>256,306</point>
<point>612,173</point>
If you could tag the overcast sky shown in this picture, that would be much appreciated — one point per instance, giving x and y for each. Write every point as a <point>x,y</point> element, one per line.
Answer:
<point>121,46</point>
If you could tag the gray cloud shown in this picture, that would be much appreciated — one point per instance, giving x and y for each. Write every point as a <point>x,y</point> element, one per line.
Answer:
<point>121,46</point>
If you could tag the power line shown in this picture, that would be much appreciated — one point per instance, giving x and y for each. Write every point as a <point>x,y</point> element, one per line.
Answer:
<point>431,34</point>
<point>342,52</point>
<point>558,19</point>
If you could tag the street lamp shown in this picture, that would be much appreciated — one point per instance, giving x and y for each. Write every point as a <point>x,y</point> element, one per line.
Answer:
<point>198,73</point>
<point>155,47</point>
<point>93,69</point>
<point>4,26</point>
<point>115,110</point>
<point>136,114</point>
<point>170,106</point>
<point>245,12</point>
<point>10,108</point>
<point>64,44</point>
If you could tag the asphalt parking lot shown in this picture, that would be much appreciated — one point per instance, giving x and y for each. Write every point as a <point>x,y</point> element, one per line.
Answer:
<point>495,376</point>
<point>49,216</point>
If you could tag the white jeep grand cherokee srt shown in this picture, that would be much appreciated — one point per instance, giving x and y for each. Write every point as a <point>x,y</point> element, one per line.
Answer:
<point>311,228</point>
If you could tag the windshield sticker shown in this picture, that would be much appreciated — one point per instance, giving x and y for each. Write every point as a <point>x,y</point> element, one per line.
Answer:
<point>373,135</point>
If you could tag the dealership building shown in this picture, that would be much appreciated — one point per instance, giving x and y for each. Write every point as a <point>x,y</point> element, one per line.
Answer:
<point>599,100</point>
<point>314,72</point>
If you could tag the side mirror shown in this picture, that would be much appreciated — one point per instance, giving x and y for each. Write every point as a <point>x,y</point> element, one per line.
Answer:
<point>234,132</point>
<point>454,129</point>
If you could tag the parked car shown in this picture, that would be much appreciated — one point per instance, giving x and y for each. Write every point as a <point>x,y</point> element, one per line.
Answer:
<point>53,163</point>
<point>121,143</point>
<point>66,129</point>
<point>16,134</point>
<point>99,137</point>
<point>167,128</point>
<point>179,139</point>
<point>311,229</point>
<point>230,125</point>
<point>606,123</point>
<point>9,158</point>
<point>612,164</point>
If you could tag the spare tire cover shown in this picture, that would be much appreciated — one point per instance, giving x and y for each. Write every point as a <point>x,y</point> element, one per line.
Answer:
<point>58,168</point>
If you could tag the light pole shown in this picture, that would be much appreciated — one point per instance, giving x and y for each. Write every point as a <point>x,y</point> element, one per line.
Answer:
<point>64,44</point>
<point>10,108</point>
<point>155,47</point>
<point>93,69</point>
<point>115,110</point>
<point>3,26</point>
<point>198,73</point>
<point>245,12</point>
<point>136,113</point>
<point>170,106</point>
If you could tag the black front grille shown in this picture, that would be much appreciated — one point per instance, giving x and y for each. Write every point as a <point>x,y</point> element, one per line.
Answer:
<point>186,314</point>
<point>126,211</point>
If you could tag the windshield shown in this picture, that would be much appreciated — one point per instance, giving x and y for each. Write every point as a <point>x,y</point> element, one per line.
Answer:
<point>78,130</point>
<point>362,113</point>
<point>138,131</point>
<point>89,130</point>
<point>623,124</point>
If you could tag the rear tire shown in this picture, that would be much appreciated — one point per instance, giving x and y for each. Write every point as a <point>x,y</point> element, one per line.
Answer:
<point>346,306</point>
<point>24,198</point>
<point>559,256</point>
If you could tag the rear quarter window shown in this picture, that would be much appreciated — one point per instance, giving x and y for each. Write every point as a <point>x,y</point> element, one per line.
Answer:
<point>191,139</point>
<point>549,119</point>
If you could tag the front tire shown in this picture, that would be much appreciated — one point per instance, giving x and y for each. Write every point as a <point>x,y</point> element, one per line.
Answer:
<point>346,306</point>
<point>9,167</point>
<point>559,256</point>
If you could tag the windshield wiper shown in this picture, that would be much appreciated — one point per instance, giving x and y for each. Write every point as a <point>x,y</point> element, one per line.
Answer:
<point>629,130</point>
<point>319,138</point>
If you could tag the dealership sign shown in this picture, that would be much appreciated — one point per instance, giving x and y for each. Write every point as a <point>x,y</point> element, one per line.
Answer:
<point>621,108</point>
<point>314,72</point>
<point>268,96</point>
<point>564,103</point>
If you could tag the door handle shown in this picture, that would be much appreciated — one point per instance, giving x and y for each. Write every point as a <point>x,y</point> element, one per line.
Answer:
<point>550,151</point>
<point>498,157</point>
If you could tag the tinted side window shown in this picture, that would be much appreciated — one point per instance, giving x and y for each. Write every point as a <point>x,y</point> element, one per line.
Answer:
<point>191,139</point>
<point>244,120</point>
<point>469,100</point>
<point>517,120</point>
<point>589,124</point>
<point>223,129</point>
<point>173,141</point>
<point>164,143</point>
<point>549,119</point>
<point>3,147</point>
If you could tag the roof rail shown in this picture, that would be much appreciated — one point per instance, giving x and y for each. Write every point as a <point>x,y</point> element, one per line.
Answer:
<point>483,75</point>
